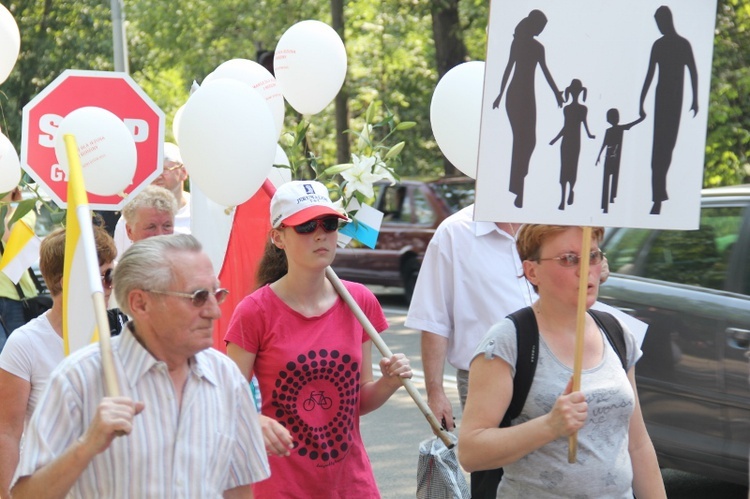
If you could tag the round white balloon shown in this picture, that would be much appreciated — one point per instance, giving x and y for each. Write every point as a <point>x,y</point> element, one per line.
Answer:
<point>10,166</point>
<point>10,43</point>
<point>176,123</point>
<point>455,115</point>
<point>310,65</point>
<point>106,147</point>
<point>227,140</point>
<point>280,175</point>
<point>260,79</point>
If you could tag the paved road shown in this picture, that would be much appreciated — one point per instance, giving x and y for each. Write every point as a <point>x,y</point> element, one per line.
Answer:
<point>393,433</point>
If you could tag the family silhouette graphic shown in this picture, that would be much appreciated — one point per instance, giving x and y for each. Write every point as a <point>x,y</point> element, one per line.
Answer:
<point>671,54</point>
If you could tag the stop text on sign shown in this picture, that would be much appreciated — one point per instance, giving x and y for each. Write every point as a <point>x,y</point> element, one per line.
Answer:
<point>49,124</point>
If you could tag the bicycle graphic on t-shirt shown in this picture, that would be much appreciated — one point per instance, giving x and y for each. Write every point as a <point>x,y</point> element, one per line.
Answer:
<point>317,398</point>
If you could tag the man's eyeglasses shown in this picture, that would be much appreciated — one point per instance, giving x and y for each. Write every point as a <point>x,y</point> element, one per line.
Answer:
<point>329,224</point>
<point>107,278</point>
<point>198,297</point>
<point>572,260</point>
<point>173,168</point>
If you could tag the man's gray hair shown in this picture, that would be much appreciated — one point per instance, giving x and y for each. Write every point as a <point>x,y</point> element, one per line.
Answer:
<point>152,196</point>
<point>147,264</point>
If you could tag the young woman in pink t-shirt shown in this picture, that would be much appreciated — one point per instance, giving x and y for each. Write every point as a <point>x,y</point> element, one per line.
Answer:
<point>311,356</point>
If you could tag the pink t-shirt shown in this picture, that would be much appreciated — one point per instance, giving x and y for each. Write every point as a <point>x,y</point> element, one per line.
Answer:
<point>308,369</point>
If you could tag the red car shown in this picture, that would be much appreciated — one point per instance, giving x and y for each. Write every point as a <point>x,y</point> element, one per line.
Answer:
<point>413,210</point>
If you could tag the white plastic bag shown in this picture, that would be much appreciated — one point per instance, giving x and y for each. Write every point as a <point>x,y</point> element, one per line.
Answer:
<point>439,475</point>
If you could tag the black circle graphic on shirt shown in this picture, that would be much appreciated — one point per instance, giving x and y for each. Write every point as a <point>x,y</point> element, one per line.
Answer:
<point>320,430</point>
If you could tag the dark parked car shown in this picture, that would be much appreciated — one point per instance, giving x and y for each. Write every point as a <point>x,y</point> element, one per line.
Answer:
<point>412,211</point>
<point>693,289</point>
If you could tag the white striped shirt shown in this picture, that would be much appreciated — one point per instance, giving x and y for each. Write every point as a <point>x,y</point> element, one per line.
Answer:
<point>210,444</point>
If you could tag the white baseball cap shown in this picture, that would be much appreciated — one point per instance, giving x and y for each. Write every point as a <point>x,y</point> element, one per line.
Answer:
<point>172,153</point>
<point>300,201</point>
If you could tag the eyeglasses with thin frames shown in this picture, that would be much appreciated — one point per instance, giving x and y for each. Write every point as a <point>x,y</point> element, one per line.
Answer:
<point>198,297</point>
<point>329,224</point>
<point>172,168</point>
<point>572,260</point>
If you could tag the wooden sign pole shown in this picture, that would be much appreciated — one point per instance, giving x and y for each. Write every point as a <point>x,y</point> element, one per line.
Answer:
<point>580,328</point>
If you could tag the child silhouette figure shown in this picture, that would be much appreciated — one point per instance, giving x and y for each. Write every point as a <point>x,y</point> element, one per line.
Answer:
<point>613,143</point>
<point>570,147</point>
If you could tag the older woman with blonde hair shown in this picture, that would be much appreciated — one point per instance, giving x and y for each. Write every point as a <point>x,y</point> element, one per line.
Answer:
<point>35,349</point>
<point>615,455</point>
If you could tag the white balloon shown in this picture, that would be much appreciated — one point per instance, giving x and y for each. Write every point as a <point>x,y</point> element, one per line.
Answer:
<point>106,147</point>
<point>281,157</point>
<point>260,79</point>
<point>227,140</point>
<point>10,43</point>
<point>176,123</point>
<point>310,65</point>
<point>10,166</point>
<point>455,115</point>
<point>280,175</point>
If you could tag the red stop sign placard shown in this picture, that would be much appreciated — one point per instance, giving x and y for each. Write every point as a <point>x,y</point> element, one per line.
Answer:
<point>74,89</point>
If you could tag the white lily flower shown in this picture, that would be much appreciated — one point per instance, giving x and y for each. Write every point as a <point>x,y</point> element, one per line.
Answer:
<point>381,171</point>
<point>359,178</point>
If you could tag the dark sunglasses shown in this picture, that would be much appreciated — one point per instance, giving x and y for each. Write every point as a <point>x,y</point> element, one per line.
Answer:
<point>198,297</point>
<point>571,259</point>
<point>107,278</point>
<point>329,224</point>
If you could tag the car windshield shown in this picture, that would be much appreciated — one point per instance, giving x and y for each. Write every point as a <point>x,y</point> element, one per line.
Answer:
<point>457,195</point>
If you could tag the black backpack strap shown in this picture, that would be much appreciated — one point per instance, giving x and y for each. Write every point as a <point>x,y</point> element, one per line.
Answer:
<point>39,286</point>
<point>527,342</point>
<point>484,483</point>
<point>614,333</point>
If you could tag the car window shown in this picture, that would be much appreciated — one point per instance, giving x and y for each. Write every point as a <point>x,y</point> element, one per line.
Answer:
<point>423,212</point>
<point>456,195</point>
<point>623,247</point>
<point>694,257</point>
<point>395,205</point>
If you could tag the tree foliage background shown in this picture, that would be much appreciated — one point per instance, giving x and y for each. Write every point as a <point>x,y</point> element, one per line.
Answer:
<point>397,51</point>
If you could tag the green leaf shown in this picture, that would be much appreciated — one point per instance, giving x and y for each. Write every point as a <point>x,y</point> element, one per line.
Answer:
<point>22,209</point>
<point>3,213</point>
<point>301,133</point>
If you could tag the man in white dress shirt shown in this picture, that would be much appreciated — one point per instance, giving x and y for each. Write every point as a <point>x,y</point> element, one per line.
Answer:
<point>185,424</point>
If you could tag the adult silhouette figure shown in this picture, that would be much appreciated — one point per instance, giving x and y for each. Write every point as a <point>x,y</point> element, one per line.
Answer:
<point>570,149</point>
<point>526,53</point>
<point>671,53</point>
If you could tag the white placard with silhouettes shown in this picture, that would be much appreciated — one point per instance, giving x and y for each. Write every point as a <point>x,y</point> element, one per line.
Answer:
<point>594,112</point>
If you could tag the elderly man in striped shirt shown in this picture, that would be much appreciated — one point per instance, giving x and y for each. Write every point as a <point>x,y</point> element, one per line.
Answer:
<point>186,426</point>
